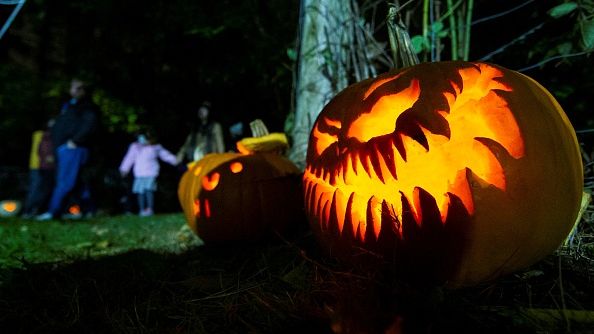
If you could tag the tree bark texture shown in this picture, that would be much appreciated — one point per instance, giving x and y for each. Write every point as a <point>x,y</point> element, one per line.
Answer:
<point>324,41</point>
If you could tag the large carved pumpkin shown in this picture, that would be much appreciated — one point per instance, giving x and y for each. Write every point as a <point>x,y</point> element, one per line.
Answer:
<point>452,172</point>
<point>232,196</point>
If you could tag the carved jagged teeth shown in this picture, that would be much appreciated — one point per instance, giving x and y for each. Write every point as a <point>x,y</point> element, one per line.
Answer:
<point>339,208</point>
<point>306,185</point>
<point>325,210</point>
<point>358,213</point>
<point>333,174</point>
<point>329,202</point>
<point>374,158</point>
<point>374,210</point>
<point>353,164</point>
<point>364,159</point>
<point>345,167</point>
<point>311,199</point>
<point>319,172</point>
<point>315,199</point>
<point>387,150</point>
<point>313,202</point>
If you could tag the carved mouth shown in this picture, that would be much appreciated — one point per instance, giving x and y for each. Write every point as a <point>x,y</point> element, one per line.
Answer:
<point>401,158</point>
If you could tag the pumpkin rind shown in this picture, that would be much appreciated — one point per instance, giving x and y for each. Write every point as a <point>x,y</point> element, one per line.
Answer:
<point>507,196</point>
<point>236,197</point>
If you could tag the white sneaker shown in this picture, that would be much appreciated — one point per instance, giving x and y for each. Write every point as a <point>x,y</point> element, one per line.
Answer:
<point>45,216</point>
<point>146,213</point>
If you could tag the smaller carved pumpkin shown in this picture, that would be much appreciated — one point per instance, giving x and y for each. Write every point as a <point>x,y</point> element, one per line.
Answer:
<point>232,196</point>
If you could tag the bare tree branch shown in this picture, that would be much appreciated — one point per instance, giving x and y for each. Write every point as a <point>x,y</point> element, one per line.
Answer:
<point>544,61</point>
<point>494,16</point>
<point>514,41</point>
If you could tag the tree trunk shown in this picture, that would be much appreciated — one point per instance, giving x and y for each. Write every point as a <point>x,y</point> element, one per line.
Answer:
<point>326,34</point>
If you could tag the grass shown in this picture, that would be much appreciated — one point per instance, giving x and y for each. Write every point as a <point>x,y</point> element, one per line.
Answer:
<point>29,242</point>
<point>126,274</point>
<point>129,274</point>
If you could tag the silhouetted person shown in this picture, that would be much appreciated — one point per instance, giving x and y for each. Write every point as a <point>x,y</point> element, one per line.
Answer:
<point>206,137</point>
<point>71,135</point>
<point>41,171</point>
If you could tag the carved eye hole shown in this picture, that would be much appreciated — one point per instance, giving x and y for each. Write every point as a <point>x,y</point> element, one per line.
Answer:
<point>236,167</point>
<point>209,182</point>
<point>323,139</point>
<point>381,120</point>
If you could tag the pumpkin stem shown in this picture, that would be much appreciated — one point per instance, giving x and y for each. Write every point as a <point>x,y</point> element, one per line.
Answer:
<point>400,42</point>
<point>262,140</point>
<point>258,128</point>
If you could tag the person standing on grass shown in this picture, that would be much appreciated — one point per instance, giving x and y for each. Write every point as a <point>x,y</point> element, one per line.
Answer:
<point>143,158</point>
<point>41,172</point>
<point>71,134</point>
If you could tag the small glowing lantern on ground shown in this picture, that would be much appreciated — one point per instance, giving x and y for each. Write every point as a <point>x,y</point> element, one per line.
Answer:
<point>10,208</point>
<point>453,172</point>
<point>74,210</point>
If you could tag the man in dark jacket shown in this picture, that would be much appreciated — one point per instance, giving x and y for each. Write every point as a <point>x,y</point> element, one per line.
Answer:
<point>71,136</point>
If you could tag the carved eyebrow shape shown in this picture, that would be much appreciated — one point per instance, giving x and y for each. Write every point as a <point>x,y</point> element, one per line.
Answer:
<point>325,139</point>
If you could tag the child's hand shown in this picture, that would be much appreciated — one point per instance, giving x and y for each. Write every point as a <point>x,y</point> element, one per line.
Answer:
<point>123,174</point>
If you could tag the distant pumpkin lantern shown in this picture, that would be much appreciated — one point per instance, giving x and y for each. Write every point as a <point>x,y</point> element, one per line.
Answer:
<point>74,209</point>
<point>241,197</point>
<point>453,172</point>
<point>9,208</point>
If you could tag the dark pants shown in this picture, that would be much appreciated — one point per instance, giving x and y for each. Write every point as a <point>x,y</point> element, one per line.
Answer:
<point>41,182</point>
<point>69,164</point>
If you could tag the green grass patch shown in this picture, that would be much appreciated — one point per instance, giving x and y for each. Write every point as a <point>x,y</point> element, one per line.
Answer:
<point>29,242</point>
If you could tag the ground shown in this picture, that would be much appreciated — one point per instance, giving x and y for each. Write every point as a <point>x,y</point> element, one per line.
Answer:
<point>126,274</point>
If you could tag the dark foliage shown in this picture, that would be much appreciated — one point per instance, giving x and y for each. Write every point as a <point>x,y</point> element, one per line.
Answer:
<point>160,58</point>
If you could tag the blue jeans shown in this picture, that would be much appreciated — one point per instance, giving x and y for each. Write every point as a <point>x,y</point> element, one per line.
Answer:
<point>69,163</point>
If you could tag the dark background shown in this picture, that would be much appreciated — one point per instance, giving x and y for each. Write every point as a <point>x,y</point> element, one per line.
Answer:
<point>153,62</point>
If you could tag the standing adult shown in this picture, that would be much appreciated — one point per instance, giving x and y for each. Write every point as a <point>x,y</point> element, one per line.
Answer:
<point>206,137</point>
<point>71,135</point>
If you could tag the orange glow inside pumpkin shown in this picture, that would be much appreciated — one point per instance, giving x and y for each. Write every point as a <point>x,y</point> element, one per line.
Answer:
<point>477,111</point>
<point>74,209</point>
<point>206,208</point>
<point>211,182</point>
<point>9,206</point>
<point>196,206</point>
<point>236,167</point>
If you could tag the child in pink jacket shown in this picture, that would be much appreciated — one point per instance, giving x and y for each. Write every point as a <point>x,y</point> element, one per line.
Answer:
<point>143,158</point>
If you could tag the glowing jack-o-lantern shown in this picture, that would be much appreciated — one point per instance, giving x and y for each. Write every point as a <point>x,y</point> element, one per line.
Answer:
<point>10,208</point>
<point>232,196</point>
<point>453,172</point>
<point>74,209</point>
